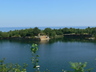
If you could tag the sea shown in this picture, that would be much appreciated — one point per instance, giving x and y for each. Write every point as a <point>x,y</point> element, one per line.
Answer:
<point>6,29</point>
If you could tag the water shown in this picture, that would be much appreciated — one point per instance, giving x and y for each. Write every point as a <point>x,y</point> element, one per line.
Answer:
<point>55,54</point>
<point>6,29</point>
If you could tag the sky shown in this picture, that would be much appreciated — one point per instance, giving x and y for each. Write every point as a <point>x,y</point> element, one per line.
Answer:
<point>46,13</point>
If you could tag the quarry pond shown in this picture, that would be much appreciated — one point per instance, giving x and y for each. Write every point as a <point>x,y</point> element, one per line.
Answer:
<point>55,54</point>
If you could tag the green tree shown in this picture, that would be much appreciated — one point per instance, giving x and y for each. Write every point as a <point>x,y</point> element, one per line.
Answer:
<point>4,35</point>
<point>36,31</point>
<point>47,31</point>
<point>30,32</point>
<point>11,67</point>
<point>52,33</point>
<point>23,33</point>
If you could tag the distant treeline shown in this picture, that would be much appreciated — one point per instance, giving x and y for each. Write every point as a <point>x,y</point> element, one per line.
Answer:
<point>32,32</point>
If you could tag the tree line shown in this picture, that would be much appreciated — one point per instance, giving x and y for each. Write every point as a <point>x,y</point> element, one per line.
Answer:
<point>32,32</point>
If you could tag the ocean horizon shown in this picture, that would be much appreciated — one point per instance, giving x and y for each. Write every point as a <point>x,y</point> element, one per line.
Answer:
<point>6,29</point>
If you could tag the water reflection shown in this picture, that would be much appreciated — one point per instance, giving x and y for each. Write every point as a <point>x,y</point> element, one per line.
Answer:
<point>51,41</point>
<point>44,41</point>
<point>71,40</point>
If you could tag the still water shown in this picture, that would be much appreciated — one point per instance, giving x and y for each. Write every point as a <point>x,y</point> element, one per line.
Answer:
<point>55,54</point>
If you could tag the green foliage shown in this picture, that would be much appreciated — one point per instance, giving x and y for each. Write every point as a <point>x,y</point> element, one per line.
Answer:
<point>78,67</point>
<point>32,32</point>
<point>35,59</point>
<point>34,48</point>
<point>4,34</point>
<point>12,67</point>
<point>36,31</point>
<point>47,30</point>
<point>58,31</point>
<point>52,34</point>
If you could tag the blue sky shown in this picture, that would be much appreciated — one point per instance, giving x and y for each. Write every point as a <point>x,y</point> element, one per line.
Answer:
<point>46,13</point>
